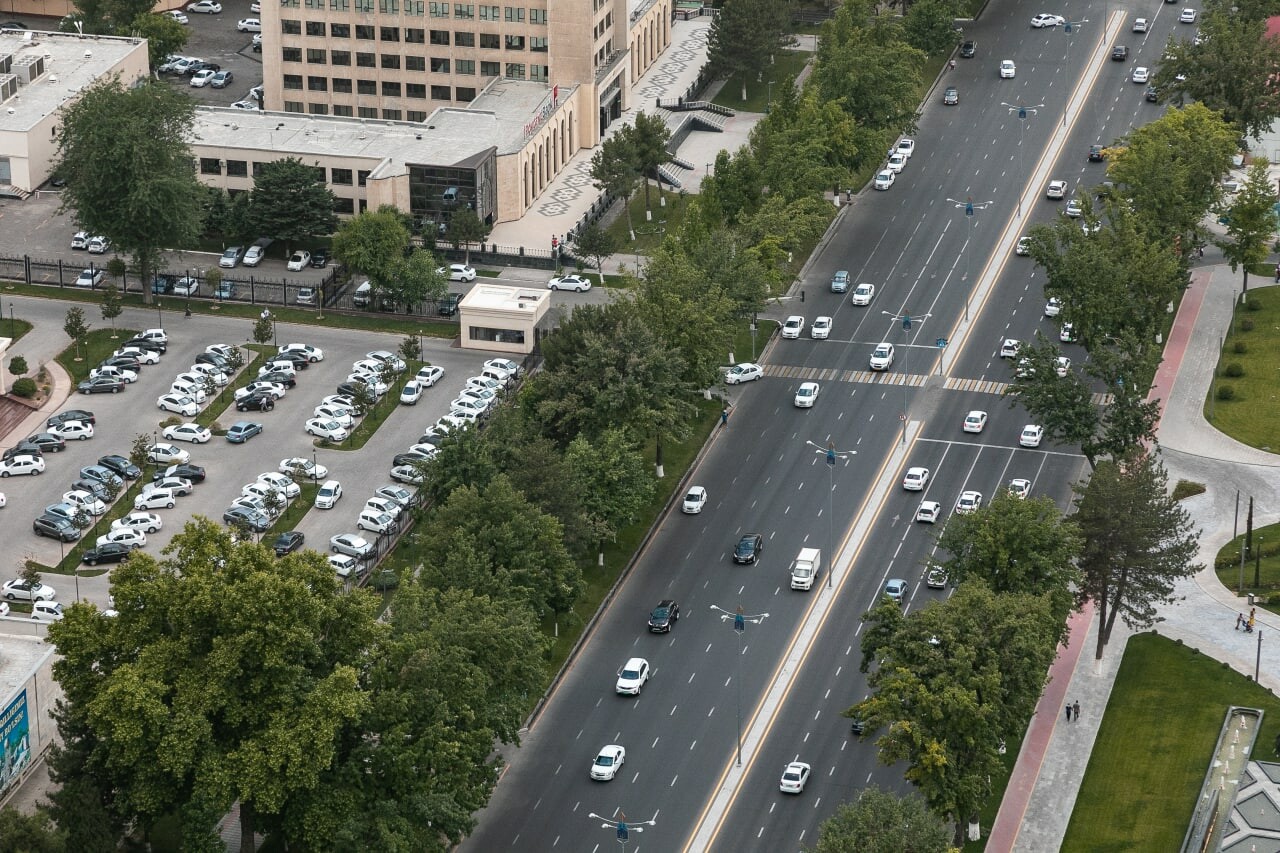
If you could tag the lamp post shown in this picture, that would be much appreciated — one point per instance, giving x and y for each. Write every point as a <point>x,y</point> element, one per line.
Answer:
<point>159,315</point>
<point>969,206</point>
<point>1023,111</point>
<point>13,324</point>
<point>622,826</point>
<point>768,101</point>
<point>740,621</point>
<point>906,319</point>
<point>832,455</point>
<point>1069,28</point>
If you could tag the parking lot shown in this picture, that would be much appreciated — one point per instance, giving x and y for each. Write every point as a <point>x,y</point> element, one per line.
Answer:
<point>121,417</point>
<point>214,38</point>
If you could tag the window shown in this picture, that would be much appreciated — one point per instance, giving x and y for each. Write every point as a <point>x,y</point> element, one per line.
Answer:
<point>257,167</point>
<point>414,115</point>
<point>339,6</point>
<point>391,115</point>
<point>438,10</point>
<point>318,109</point>
<point>366,87</point>
<point>289,107</point>
<point>490,69</point>
<point>539,73</point>
<point>291,28</point>
<point>318,84</point>
<point>362,175</point>
<point>364,31</point>
<point>341,177</point>
<point>364,5</point>
<point>538,44</point>
<point>315,4</point>
<point>514,15</point>
<point>414,36</point>
<point>315,28</point>
<point>317,55</point>
<point>389,33</point>
<point>515,70</point>
<point>343,205</point>
<point>416,8</point>
<point>390,60</point>
<point>390,89</point>
<point>439,66</point>
<point>464,39</point>
<point>210,166</point>
<point>340,57</point>
<point>503,336</point>
<point>464,66</point>
<point>342,85</point>
<point>389,7</point>
<point>342,109</point>
<point>489,13</point>
<point>440,37</point>
<point>515,42</point>
<point>237,169</point>
<point>367,112</point>
<point>439,93</point>
<point>415,63</point>
<point>466,11</point>
<point>490,41</point>
<point>537,16</point>
<point>293,81</point>
<point>366,60</point>
<point>340,31</point>
<point>465,94</point>
<point>289,4</point>
<point>415,90</point>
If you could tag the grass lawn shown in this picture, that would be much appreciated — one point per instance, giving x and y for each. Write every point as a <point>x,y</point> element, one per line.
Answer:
<point>97,345</point>
<point>786,65</point>
<point>223,403</point>
<point>649,233</point>
<point>1252,412</point>
<point>1266,543</point>
<point>1155,744</point>
<point>15,330</point>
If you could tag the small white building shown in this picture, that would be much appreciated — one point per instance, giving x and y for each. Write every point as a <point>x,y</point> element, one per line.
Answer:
<point>502,319</point>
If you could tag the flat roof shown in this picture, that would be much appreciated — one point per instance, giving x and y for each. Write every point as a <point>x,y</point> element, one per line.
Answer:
<point>71,64</point>
<point>19,657</point>
<point>499,297</point>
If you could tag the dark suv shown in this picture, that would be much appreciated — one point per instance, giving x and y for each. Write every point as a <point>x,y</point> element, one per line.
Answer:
<point>447,306</point>
<point>1096,154</point>
<point>666,614</point>
<point>749,548</point>
<point>55,528</point>
<point>968,49</point>
<point>1119,53</point>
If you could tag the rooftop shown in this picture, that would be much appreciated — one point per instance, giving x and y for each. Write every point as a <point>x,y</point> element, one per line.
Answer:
<point>44,70</point>
<point>497,297</point>
<point>19,657</point>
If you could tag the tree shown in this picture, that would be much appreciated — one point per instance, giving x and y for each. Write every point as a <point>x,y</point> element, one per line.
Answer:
<point>239,218</point>
<point>465,228</point>
<point>373,243</point>
<point>881,822</point>
<point>130,177</point>
<point>75,327</point>
<point>33,833</point>
<point>217,213</point>
<point>164,35</point>
<point>929,26</point>
<point>139,449</point>
<point>806,145</point>
<point>614,169</point>
<point>18,365</point>
<point>262,329</point>
<point>596,243</point>
<point>611,480</point>
<point>1251,221</point>
<point>650,136</point>
<point>410,349</point>
<point>744,37</point>
<point>689,314</point>
<point>415,280</point>
<point>291,202</point>
<point>112,306</point>
<point>1138,542</point>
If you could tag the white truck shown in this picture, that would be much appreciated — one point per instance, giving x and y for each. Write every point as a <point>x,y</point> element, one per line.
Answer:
<point>805,569</point>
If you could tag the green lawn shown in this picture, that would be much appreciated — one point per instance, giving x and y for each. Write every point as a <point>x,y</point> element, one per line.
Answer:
<point>649,232</point>
<point>97,345</point>
<point>1155,744</point>
<point>786,65</point>
<point>1266,544</point>
<point>1250,416</point>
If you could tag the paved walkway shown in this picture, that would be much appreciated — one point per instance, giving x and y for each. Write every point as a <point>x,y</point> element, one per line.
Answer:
<point>1046,780</point>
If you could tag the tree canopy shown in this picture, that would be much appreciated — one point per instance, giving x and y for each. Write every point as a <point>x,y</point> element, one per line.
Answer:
<point>878,821</point>
<point>744,37</point>
<point>291,202</point>
<point>373,243</point>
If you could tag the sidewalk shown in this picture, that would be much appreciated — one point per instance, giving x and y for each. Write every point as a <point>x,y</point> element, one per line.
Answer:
<point>1033,816</point>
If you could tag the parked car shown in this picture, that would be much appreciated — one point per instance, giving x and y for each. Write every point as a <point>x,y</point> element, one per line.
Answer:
<point>457,272</point>
<point>287,542</point>
<point>298,261</point>
<point>242,431</point>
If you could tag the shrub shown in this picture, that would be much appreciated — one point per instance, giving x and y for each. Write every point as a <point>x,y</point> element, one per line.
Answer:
<point>1252,305</point>
<point>18,365</point>
<point>25,387</point>
<point>1235,370</point>
<point>1240,348</point>
<point>1226,392</point>
<point>1186,489</point>
<point>1246,325</point>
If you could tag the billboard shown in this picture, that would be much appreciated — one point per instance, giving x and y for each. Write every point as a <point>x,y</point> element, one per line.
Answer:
<point>15,741</point>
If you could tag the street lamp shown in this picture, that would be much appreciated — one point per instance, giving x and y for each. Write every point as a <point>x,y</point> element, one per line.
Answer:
<point>906,320</point>
<point>740,621</point>
<point>969,207</point>
<point>1022,111</point>
<point>768,102</point>
<point>832,455</point>
<point>1069,28</point>
<point>622,826</point>
<point>159,315</point>
<point>13,324</point>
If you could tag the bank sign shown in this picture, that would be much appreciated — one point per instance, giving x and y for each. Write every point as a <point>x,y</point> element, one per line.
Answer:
<point>15,741</point>
<point>543,113</point>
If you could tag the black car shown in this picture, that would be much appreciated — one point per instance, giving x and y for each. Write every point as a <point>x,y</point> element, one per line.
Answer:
<point>201,66</point>
<point>147,344</point>
<point>216,360</point>
<point>185,470</point>
<point>124,362</point>
<point>290,540</point>
<point>101,385</point>
<point>163,283</point>
<point>24,448</point>
<point>320,259</point>
<point>1096,154</point>
<point>107,552</point>
<point>749,548</point>
<point>951,96</point>
<point>279,377</point>
<point>968,49</point>
<point>857,727</point>
<point>47,442</point>
<point>1151,94</point>
<point>13,25</point>
<point>297,359</point>
<point>55,528</point>
<point>101,474</point>
<point>447,305</point>
<point>93,487</point>
<point>71,415</point>
<point>664,616</point>
<point>260,402</point>
<point>409,458</point>
<point>117,464</point>
<point>1119,53</point>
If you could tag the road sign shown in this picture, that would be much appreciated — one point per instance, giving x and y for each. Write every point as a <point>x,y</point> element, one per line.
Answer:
<point>940,343</point>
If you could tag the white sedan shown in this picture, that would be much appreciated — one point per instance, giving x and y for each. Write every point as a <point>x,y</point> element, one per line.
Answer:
<point>411,393</point>
<point>457,272</point>
<point>131,536</point>
<point>608,762</point>
<point>1141,74</point>
<point>896,163</point>
<point>1032,435</point>
<point>350,543</point>
<point>193,433</point>
<point>884,180</point>
<point>576,283</point>
<point>1010,347</point>
<point>179,404</point>
<point>820,329</point>
<point>928,512</point>
<point>327,428</point>
<point>882,357</point>
<point>970,501</point>
<point>794,777</point>
<point>745,372</point>
<point>177,15</point>
<point>694,501</point>
<point>1007,69</point>
<point>275,389</point>
<point>205,7</point>
<point>863,293</point>
<point>139,521</point>
<point>298,261</point>
<point>1047,20</point>
<point>144,356</point>
<point>67,430</point>
<point>806,394</point>
<point>331,412</point>
<point>916,479</point>
<point>1020,488</point>
<point>309,469</point>
<point>312,354</point>
<point>906,147</point>
<point>975,421</point>
<point>1053,307</point>
<point>85,501</point>
<point>249,25</point>
<point>124,374</point>
<point>168,454</point>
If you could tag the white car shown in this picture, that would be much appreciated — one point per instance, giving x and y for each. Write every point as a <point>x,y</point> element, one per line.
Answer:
<point>22,464</point>
<point>298,261</point>
<point>1056,190</point>
<point>210,371</point>
<point>896,163</point>
<point>975,421</point>
<point>484,395</point>
<point>368,366</point>
<point>407,474</point>
<point>144,356</point>
<point>794,777</point>
<point>382,356</point>
<point>1024,246</point>
<point>632,677</point>
<point>331,412</point>
<point>884,180</point>
<point>576,283</point>
<point>110,371</point>
<point>457,272</point>
<point>179,404</point>
<point>928,512</point>
<point>608,762</point>
<point>68,430</point>
<point>468,406</point>
<point>309,469</point>
<point>400,495</point>
<point>130,536</point>
<point>275,389</point>
<point>187,388</point>
<point>167,454</point>
<point>1047,20</point>
<point>1020,488</point>
<point>90,278</point>
<point>745,372</point>
<point>1053,307</point>
<point>429,374</point>
<point>283,366</point>
<point>139,521</point>
<point>906,147</point>
<point>375,385</point>
<point>1032,435</point>
<point>694,501</point>
<point>249,25</point>
<point>19,590</point>
<point>1074,209</point>
<point>820,329</point>
<point>1188,16</point>
<point>344,565</point>
<point>281,483</point>
<point>327,428</point>
<point>85,501</point>
<point>806,394</point>
<point>193,433</point>
<point>411,393</point>
<point>916,479</point>
<point>157,499</point>
<point>329,494</point>
<point>882,357</point>
<point>1007,69</point>
<point>1010,347</point>
<point>970,501</point>
<point>260,490</point>
<point>350,543</point>
<point>793,326</point>
<point>1061,366</point>
<point>1067,334</point>
<point>177,15</point>
<point>205,7</point>
<point>1139,25</point>
<point>1141,74</point>
<point>863,293</point>
<point>46,611</point>
<point>386,506</point>
<point>312,354</point>
<point>201,78</point>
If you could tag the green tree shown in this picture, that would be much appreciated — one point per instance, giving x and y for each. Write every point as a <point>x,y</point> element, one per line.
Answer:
<point>650,136</point>
<point>213,278</point>
<point>416,280</point>
<point>806,146</point>
<point>465,228</point>
<point>75,327</point>
<point>687,313</point>
<point>239,227</point>
<point>217,213</point>
<point>734,188</point>
<point>112,305</point>
<point>262,329</point>
<point>411,349</point>
<point>1251,221</point>
<point>291,202</point>
<point>612,481</point>
<point>615,170</point>
<point>18,365</point>
<point>139,449</point>
<point>110,17</point>
<point>373,243</point>
<point>164,36</point>
<point>596,243</point>
<point>35,833</point>
<point>129,172</point>
<point>744,37</point>
<point>1138,542</point>
<point>879,821</point>
<point>930,26</point>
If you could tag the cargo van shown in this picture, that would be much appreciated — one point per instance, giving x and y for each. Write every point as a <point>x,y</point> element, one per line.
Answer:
<point>806,568</point>
<point>363,297</point>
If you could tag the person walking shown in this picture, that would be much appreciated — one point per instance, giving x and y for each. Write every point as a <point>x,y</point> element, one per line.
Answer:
<point>1068,712</point>
<point>724,417</point>
<point>1239,620</point>
<point>1249,628</point>
<point>1075,709</point>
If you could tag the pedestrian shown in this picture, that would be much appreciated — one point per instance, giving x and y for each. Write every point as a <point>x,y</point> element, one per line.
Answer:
<point>1277,272</point>
<point>724,417</point>
<point>952,65</point>
<point>1200,252</point>
<point>1068,712</point>
<point>1075,709</point>
<point>1239,620</point>
<point>1249,630</point>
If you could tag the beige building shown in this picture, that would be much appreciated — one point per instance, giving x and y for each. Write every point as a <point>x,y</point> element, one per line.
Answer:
<point>502,319</point>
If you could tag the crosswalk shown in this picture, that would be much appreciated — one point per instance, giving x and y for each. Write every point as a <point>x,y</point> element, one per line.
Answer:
<point>910,380</point>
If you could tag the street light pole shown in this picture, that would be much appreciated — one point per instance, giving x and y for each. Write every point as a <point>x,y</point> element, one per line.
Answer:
<point>1022,112</point>
<point>740,621</point>
<point>622,826</point>
<point>969,206</point>
<point>831,455</point>
<point>1069,28</point>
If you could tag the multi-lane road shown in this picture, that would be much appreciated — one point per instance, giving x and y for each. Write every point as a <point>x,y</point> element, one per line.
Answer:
<point>797,668</point>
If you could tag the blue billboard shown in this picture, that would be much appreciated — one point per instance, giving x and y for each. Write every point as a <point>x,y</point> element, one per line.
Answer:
<point>15,741</point>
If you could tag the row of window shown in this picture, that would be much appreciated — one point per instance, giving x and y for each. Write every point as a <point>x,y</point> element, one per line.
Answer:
<point>345,111</point>
<point>319,56</point>
<point>395,88</point>
<point>240,169</point>
<point>418,8</point>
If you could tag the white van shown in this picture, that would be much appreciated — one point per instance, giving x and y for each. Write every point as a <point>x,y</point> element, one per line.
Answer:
<point>46,611</point>
<point>806,568</point>
<point>363,297</point>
